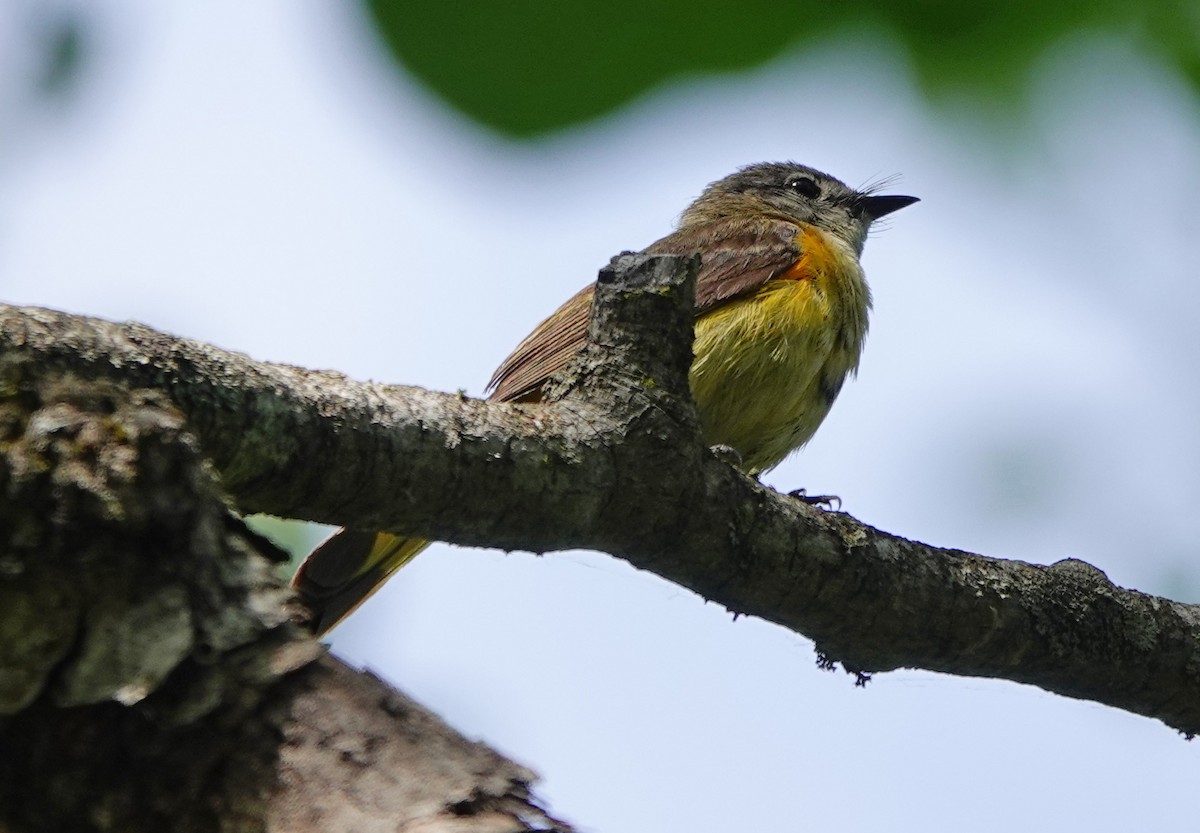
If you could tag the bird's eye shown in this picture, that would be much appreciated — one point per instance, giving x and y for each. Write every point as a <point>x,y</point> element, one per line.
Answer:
<point>805,187</point>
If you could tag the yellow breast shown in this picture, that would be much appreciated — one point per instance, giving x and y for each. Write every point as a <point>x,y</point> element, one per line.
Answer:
<point>768,366</point>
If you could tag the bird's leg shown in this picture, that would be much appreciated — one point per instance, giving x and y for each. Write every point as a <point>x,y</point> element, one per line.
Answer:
<point>826,501</point>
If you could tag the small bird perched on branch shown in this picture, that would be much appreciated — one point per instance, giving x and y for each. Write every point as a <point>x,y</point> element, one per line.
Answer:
<point>781,315</point>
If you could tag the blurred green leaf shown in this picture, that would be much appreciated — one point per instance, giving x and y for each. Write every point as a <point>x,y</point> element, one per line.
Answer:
<point>526,67</point>
<point>297,538</point>
<point>62,47</point>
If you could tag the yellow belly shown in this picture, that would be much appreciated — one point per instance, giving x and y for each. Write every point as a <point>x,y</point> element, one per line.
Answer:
<point>768,367</point>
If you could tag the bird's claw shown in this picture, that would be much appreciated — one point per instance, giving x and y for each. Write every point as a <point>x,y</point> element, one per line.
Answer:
<point>826,501</point>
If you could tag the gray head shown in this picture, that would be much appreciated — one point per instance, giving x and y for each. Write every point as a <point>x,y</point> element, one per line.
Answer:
<point>797,193</point>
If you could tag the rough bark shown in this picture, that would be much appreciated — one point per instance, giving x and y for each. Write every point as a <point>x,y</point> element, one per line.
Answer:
<point>613,462</point>
<point>150,675</point>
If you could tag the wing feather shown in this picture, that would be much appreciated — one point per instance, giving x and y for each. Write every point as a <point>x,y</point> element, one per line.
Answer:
<point>737,258</point>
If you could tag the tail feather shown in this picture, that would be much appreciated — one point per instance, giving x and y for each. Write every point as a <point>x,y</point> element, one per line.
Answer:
<point>344,571</point>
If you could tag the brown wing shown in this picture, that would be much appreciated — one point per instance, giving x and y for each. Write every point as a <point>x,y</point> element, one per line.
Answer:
<point>738,255</point>
<point>544,352</point>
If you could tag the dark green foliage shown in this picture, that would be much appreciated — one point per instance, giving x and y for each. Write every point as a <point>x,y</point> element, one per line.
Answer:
<point>526,67</point>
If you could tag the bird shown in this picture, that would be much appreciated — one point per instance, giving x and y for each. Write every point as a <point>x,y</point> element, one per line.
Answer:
<point>781,315</point>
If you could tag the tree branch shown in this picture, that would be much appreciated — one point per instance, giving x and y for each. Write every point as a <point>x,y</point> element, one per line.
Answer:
<point>150,677</point>
<point>613,463</point>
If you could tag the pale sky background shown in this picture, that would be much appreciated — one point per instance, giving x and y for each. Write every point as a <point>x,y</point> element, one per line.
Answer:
<point>254,175</point>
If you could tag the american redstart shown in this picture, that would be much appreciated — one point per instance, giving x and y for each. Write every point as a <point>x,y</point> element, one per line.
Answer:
<point>781,315</point>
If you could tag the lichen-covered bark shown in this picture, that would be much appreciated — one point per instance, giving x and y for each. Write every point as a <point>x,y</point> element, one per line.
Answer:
<point>150,675</point>
<point>613,462</point>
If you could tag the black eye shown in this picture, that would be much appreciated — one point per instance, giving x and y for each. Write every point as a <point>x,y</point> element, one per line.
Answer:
<point>805,187</point>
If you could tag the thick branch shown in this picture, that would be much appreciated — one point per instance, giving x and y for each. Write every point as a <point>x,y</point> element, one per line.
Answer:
<point>150,678</point>
<point>614,464</point>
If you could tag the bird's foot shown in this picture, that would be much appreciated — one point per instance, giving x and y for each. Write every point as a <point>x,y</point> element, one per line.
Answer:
<point>826,501</point>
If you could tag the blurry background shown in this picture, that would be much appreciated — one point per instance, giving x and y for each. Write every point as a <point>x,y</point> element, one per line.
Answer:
<point>401,194</point>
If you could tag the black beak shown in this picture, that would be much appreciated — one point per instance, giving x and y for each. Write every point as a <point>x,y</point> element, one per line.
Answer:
<point>880,206</point>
